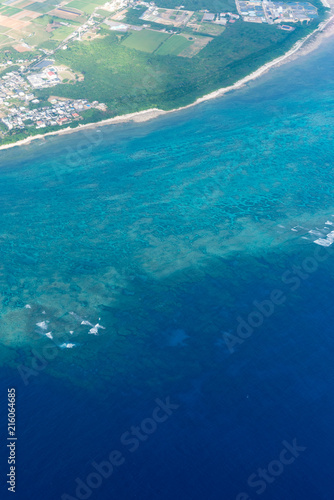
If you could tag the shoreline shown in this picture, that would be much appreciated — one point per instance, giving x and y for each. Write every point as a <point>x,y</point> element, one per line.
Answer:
<point>149,114</point>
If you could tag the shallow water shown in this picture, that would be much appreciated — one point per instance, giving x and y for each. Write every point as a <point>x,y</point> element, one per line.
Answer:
<point>152,244</point>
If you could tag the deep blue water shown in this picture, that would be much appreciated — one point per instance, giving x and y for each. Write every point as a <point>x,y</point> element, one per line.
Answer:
<point>173,236</point>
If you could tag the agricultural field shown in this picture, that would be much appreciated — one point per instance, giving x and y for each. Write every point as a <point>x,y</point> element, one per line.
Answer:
<point>37,35</point>
<point>198,43</point>
<point>42,8</point>
<point>173,46</point>
<point>9,11</point>
<point>167,16</point>
<point>210,29</point>
<point>104,13</point>
<point>35,24</point>
<point>145,40</point>
<point>61,33</point>
<point>86,7</point>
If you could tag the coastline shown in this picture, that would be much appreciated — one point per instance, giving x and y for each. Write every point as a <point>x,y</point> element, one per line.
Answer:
<point>324,30</point>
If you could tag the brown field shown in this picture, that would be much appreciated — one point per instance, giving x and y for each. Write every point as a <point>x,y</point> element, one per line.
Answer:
<point>26,13</point>
<point>63,15</point>
<point>9,22</point>
<point>120,15</point>
<point>198,44</point>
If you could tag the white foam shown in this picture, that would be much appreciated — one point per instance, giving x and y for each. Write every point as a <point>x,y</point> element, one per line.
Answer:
<point>49,334</point>
<point>66,346</point>
<point>84,322</point>
<point>316,233</point>
<point>99,326</point>
<point>326,242</point>
<point>27,306</point>
<point>94,330</point>
<point>43,325</point>
<point>329,223</point>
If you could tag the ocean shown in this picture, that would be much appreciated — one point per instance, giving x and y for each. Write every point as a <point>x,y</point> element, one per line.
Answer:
<point>167,301</point>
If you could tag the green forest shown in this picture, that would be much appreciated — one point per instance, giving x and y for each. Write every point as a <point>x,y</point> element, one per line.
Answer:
<point>128,80</point>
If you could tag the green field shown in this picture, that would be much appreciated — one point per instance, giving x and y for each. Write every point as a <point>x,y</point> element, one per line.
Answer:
<point>3,29</point>
<point>44,7</point>
<point>63,32</point>
<point>3,38</point>
<point>39,7</point>
<point>49,44</point>
<point>9,11</point>
<point>86,7</point>
<point>104,13</point>
<point>145,40</point>
<point>211,29</point>
<point>173,46</point>
<point>38,34</point>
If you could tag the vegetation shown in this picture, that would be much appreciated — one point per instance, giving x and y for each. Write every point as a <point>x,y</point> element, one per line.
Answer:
<point>173,46</point>
<point>10,54</point>
<point>9,11</point>
<point>145,40</point>
<point>9,69</point>
<point>130,80</point>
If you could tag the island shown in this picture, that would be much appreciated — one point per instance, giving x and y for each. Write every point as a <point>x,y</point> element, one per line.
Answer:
<point>76,62</point>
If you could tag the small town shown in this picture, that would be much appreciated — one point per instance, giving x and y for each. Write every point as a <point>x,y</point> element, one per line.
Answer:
<point>18,115</point>
<point>61,112</point>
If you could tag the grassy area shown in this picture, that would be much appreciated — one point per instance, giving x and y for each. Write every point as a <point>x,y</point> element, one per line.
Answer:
<point>49,44</point>
<point>104,13</point>
<point>86,7</point>
<point>145,40</point>
<point>3,29</point>
<point>62,32</point>
<point>41,7</point>
<point>3,38</point>
<point>173,46</point>
<point>9,11</point>
<point>211,29</point>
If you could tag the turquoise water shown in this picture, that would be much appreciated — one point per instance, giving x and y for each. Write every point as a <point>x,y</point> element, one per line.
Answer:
<point>152,251</point>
